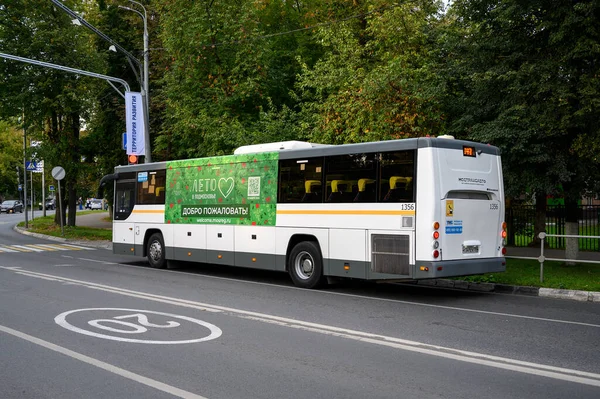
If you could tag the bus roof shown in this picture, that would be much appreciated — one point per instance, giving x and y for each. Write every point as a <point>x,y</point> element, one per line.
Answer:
<point>299,149</point>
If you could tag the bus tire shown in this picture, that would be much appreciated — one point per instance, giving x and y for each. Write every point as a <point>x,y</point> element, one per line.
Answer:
<point>155,251</point>
<point>306,265</point>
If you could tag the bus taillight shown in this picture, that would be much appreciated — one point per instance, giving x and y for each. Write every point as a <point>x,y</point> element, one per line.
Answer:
<point>503,234</point>
<point>435,244</point>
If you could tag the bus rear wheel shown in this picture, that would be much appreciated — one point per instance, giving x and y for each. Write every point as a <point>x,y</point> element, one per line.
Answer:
<point>305,265</point>
<point>155,251</point>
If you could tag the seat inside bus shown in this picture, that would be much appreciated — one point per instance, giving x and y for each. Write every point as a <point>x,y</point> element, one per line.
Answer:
<point>312,191</point>
<point>366,191</point>
<point>400,189</point>
<point>342,191</point>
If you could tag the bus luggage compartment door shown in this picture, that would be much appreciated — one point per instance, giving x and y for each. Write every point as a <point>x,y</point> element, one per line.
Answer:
<point>471,229</point>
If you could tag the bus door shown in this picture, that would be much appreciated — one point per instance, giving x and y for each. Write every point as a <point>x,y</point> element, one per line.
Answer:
<point>471,225</point>
<point>123,230</point>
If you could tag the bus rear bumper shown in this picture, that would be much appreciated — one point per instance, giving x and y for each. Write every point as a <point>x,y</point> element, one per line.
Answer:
<point>456,268</point>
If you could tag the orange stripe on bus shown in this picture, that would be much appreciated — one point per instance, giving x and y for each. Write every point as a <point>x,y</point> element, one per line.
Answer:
<point>342,212</point>
<point>148,211</point>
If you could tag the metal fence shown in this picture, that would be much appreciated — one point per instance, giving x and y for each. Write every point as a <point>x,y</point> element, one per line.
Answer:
<point>520,221</point>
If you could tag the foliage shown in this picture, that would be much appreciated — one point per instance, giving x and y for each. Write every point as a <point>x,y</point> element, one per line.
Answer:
<point>373,81</point>
<point>11,158</point>
<point>53,102</point>
<point>523,75</point>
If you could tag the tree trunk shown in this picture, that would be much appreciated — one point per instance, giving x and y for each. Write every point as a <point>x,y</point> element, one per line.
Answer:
<point>60,212</point>
<point>539,225</point>
<point>75,159</point>
<point>571,228</point>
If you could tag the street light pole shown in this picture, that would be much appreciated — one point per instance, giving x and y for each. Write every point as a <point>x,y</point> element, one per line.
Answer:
<point>130,58</point>
<point>25,171</point>
<point>145,86</point>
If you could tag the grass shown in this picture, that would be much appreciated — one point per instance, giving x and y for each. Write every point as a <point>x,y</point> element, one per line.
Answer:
<point>586,244</point>
<point>45,225</point>
<point>583,276</point>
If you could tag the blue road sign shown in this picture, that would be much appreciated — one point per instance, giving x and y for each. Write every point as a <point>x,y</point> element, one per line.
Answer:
<point>51,188</point>
<point>20,187</point>
<point>30,166</point>
<point>125,141</point>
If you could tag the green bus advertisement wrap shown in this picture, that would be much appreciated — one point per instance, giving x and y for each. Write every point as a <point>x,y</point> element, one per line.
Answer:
<point>232,189</point>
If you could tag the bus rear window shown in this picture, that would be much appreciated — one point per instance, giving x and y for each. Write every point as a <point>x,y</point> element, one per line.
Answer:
<point>473,195</point>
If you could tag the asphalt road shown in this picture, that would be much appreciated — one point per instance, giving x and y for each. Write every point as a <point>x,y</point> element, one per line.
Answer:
<point>79,322</point>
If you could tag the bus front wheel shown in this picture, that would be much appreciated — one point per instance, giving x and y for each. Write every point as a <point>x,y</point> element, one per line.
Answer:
<point>306,265</point>
<point>156,251</point>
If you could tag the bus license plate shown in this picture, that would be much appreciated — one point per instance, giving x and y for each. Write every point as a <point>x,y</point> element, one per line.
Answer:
<point>470,249</point>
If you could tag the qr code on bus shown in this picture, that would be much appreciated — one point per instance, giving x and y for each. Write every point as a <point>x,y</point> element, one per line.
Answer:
<point>254,186</point>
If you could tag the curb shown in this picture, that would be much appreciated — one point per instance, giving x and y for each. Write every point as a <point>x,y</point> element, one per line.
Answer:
<point>93,244</point>
<point>574,295</point>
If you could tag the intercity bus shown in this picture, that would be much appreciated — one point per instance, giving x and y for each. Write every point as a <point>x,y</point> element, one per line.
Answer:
<point>407,209</point>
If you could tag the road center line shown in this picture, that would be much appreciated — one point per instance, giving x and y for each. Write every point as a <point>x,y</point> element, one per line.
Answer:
<point>102,365</point>
<point>559,373</point>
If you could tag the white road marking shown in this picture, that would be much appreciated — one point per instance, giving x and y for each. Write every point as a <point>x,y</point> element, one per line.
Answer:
<point>371,298</point>
<point>55,247</point>
<point>61,320</point>
<point>171,390</point>
<point>97,261</point>
<point>26,247</point>
<point>76,247</point>
<point>558,373</point>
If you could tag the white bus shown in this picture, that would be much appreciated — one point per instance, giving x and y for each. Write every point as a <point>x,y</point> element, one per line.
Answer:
<point>407,209</point>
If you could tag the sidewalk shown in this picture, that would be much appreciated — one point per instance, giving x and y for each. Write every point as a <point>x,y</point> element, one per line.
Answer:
<point>94,220</point>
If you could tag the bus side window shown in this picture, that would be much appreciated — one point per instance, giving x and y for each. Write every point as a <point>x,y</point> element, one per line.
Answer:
<point>396,176</point>
<point>350,178</point>
<point>300,180</point>
<point>151,191</point>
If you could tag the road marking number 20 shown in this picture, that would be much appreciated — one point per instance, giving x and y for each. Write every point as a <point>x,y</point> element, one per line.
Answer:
<point>134,321</point>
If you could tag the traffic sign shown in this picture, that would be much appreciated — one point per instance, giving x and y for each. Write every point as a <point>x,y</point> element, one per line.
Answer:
<point>30,166</point>
<point>20,187</point>
<point>58,173</point>
<point>51,188</point>
<point>125,141</point>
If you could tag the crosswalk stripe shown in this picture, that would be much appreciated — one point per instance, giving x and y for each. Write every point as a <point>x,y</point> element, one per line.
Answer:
<point>75,246</point>
<point>42,248</point>
<point>53,247</point>
<point>19,248</point>
<point>26,248</point>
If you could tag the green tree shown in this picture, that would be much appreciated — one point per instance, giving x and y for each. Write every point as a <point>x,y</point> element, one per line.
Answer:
<point>54,103</point>
<point>229,73</point>
<point>11,158</point>
<point>523,75</point>
<point>373,81</point>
